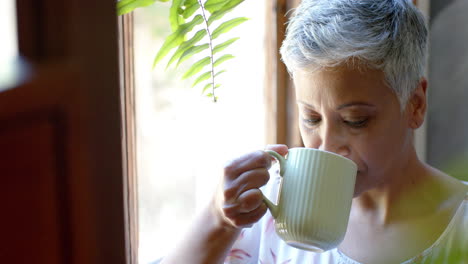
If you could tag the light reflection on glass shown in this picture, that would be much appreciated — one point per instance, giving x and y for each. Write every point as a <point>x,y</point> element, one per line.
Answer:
<point>8,44</point>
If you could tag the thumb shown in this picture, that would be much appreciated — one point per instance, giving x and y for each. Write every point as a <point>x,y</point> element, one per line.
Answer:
<point>280,148</point>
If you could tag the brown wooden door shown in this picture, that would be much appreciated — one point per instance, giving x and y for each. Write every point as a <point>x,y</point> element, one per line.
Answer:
<point>62,190</point>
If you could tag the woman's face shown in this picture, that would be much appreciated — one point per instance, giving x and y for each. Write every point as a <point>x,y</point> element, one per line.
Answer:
<point>353,113</point>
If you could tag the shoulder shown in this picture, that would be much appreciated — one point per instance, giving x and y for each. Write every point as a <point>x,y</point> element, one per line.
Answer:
<point>465,183</point>
<point>452,244</point>
<point>458,237</point>
<point>458,227</point>
<point>463,192</point>
<point>464,208</point>
<point>451,190</point>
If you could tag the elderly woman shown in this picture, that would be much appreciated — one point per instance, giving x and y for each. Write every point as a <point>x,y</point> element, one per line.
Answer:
<point>358,71</point>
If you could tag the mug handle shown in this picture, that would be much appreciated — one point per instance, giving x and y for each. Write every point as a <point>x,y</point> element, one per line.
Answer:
<point>282,162</point>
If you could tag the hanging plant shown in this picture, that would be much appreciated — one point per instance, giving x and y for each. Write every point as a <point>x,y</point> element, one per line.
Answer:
<point>186,16</point>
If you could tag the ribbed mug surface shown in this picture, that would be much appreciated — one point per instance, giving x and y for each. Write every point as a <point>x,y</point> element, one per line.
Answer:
<point>315,199</point>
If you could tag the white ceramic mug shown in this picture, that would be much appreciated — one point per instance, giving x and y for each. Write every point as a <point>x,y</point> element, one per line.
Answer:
<point>315,198</point>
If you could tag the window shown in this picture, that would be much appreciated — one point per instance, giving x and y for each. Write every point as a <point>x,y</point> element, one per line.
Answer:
<point>183,138</point>
<point>9,45</point>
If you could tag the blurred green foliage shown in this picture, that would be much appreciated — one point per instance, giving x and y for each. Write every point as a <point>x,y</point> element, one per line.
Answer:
<point>457,167</point>
<point>185,17</point>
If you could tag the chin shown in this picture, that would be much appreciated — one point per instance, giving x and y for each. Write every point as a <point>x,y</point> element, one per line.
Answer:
<point>359,186</point>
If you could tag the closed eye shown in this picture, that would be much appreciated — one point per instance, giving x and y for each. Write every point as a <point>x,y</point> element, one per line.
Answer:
<point>357,123</point>
<point>312,121</point>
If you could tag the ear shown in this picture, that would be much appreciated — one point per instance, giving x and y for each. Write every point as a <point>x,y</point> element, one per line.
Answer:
<point>417,105</point>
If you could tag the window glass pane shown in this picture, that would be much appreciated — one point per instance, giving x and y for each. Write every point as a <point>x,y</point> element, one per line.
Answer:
<point>8,43</point>
<point>183,138</point>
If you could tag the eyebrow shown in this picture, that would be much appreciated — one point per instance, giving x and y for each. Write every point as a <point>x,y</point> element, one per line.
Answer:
<point>357,103</point>
<point>354,104</point>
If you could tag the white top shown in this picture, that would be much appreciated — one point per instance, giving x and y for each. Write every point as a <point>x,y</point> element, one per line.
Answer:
<point>261,245</point>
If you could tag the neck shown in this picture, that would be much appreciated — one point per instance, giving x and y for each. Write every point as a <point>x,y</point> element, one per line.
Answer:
<point>399,196</point>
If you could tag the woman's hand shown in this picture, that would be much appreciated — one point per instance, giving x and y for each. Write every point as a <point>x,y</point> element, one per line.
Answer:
<point>240,202</point>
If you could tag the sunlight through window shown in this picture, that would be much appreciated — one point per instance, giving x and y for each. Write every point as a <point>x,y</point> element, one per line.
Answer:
<point>8,43</point>
<point>183,138</point>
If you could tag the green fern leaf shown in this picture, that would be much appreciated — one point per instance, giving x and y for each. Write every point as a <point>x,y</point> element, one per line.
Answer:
<point>186,45</point>
<point>223,45</point>
<point>211,95</point>
<point>223,59</point>
<point>180,20</point>
<point>192,51</point>
<point>208,86</point>
<point>228,25</point>
<point>201,78</point>
<point>174,17</point>
<point>206,76</point>
<point>220,72</point>
<point>176,38</point>
<point>180,11</point>
<point>214,5</point>
<point>190,2</point>
<point>224,10</point>
<point>197,67</point>
<point>127,6</point>
<point>190,10</point>
<point>124,2</point>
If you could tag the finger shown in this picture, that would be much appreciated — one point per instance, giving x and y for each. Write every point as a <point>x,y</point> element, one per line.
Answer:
<point>280,148</point>
<point>252,179</point>
<point>231,210</point>
<point>247,201</point>
<point>250,200</point>
<point>253,160</point>
<point>248,219</point>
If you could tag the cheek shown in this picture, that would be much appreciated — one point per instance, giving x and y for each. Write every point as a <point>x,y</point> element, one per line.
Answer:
<point>384,150</point>
<point>309,137</point>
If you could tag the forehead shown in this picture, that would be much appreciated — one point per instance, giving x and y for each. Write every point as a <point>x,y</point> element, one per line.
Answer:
<point>340,85</point>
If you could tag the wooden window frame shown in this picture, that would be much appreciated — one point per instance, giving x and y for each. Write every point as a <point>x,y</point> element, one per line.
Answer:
<point>280,112</point>
<point>127,88</point>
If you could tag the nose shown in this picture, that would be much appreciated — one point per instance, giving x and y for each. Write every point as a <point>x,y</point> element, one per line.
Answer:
<point>333,139</point>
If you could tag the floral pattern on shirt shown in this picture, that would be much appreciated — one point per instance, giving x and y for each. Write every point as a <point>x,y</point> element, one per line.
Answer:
<point>274,259</point>
<point>237,255</point>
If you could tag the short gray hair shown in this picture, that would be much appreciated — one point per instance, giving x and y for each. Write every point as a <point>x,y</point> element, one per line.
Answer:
<point>390,35</point>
